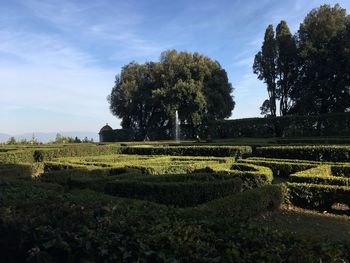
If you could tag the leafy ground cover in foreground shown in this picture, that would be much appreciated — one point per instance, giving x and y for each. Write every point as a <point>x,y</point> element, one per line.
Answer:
<point>75,210</point>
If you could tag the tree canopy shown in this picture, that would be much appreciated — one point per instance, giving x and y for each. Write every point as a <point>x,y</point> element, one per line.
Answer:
<point>308,73</point>
<point>146,96</point>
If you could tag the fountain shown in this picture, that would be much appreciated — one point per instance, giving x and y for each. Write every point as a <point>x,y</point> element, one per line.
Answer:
<point>177,127</point>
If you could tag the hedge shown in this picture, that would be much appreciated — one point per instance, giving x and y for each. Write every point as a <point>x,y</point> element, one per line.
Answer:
<point>247,204</point>
<point>341,170</point>
<point>281,168</point>
<point>47,153</point>
<point>191,189</point>
<point>285,126</point>
<point>315,153</point>
<point>16,170</point>
<point>177,192</point>
<point>320,175</point>
<point>218,151</point>
<point>40,224</point>
<point>315,196</point>
<point>23,170</point>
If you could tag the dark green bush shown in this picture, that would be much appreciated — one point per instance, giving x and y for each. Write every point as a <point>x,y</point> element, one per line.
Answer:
<point>247,204</point>
<point>191,189</point>
<point>315,153</point>
<point>320,175</point>
<point>49,153</point>
<point>22,170</point>
<point>281,168</point>
<point>315,196</point>
<point>181,190</point>
<point>38,156</point>
<point>42,223</point>
<point>288,126</point>
<point>218,151</point>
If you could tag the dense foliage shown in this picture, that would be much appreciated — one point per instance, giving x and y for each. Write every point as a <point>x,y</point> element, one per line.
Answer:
<point>308,72</point>
<point>72,205</point>
<point>336,125</point>
<point>234,151</point>
<point>146,96</point>
<point>315,153</point>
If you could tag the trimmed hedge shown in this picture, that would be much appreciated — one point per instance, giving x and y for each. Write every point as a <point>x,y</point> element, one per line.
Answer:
<point>23,170</point>
<point>218,151</point>
<point>281,168</point>
<point>182,191</point>
<point>341,170</point>
<point>46,153</point>
<point>315,153</point>
<point>319,175</point>
<point>337,124</point>
<point>247,204</point>
<point>315,196</point>
<point>191,189</point>
<point>42,223</point>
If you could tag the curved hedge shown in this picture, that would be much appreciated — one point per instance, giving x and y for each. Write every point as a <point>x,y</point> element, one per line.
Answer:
<point>191,189</point>
<point>320,175</point>
<point>319,188</point>
<point>316,196</point>
<point>183,191</point>
<point>247,204</point>
<point>282,168</point>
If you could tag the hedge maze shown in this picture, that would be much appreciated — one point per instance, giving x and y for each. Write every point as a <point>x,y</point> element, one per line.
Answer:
<point>165,203</point>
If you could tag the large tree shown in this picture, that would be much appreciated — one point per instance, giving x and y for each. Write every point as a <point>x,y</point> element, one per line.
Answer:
<point>265,67</point>
<point>317,92</point>
<point>307,73</point>
<point>286,66</point>
<point>146,96</point>
<point>339,65</point>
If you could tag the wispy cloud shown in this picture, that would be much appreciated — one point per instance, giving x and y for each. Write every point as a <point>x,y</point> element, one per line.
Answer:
<point>58,58</point>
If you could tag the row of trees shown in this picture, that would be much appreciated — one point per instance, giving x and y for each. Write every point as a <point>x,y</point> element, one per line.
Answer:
<point>308,72</point>
<point>146,96</point>
<point>59,140</point>
<point>67,139</point>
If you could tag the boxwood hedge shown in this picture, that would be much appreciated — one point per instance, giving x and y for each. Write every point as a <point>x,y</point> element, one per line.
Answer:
<point>219,151</point>
<point>316,153</point>
<point>316,196</point>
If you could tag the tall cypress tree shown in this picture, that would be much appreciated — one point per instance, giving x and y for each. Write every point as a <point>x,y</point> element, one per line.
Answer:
<point>265,67</point>
<point>286,62</point>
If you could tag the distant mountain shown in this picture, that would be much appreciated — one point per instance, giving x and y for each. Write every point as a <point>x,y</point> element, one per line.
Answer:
<point>4,137</point>
<point>50,136</point>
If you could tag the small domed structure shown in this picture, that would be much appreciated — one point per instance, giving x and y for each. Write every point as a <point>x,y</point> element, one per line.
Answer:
<point>106,128</point>
<point>106,133</point>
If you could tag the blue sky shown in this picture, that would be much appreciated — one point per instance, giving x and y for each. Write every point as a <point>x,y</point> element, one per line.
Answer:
<point>58,59</point>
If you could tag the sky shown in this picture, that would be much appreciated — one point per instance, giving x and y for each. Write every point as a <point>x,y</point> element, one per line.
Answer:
<point>58,59</point>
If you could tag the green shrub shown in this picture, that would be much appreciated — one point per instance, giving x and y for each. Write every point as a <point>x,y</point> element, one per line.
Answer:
<point>315,196</point>
<point>22,170</point>
<point>281,168</point>
<point>218,151</point>
<point>337,124</point>
<point>320,175</point>
<point>247,204</point>
<point>49,153</point>
<point>315,153</point>
<point>191,189</point>
<point>341,170</point>
<point>38,156</point>
<point>181,190</point>
<point>42,223</point>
